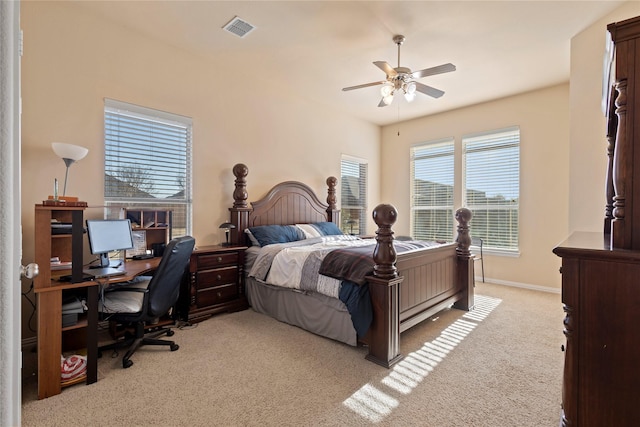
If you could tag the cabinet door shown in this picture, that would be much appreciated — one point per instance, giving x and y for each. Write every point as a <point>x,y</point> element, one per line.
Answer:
<point>608,347</point>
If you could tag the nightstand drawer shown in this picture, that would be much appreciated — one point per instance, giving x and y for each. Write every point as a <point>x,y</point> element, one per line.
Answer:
<point>217,277</point>
<point>217,260</point>
<point>217,295</point>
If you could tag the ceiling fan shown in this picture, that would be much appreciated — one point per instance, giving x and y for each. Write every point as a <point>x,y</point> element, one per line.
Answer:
<point>402,79</point>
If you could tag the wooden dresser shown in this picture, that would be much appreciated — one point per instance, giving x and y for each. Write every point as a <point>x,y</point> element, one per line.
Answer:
<point>216,283</point>
<point>601,271</point>
<point>601,297</point>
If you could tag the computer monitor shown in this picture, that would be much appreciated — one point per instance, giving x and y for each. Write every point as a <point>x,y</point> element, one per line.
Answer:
<point>107,235</point>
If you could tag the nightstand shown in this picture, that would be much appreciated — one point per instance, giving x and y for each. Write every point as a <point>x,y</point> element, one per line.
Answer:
<point>215,283</point>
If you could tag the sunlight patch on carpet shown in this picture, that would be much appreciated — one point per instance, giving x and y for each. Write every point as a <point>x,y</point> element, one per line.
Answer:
<point>373,404</point>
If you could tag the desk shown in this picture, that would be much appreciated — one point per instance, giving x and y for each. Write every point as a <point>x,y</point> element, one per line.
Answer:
<point>133,268</point>
<point>49,303</point>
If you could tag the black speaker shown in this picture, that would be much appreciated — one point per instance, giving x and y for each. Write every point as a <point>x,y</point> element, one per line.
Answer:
<point>158,249</point>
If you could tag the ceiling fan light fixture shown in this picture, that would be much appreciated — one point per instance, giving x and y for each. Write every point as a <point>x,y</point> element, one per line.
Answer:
<point>409,91</point>
<point>401,79</point>
<point>386,90</point>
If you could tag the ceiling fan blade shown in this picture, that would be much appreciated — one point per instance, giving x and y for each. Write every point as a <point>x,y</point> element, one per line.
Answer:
<point>364,85</point>
<point>444,68</point>
<point>428,90</point>
<point>384,66</point>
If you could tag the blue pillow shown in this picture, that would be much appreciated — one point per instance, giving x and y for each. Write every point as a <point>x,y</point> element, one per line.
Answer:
<point>327,228</point>
<point>270,234</point>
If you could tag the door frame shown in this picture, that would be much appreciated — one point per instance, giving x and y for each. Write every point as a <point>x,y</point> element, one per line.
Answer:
<point>10,214</point>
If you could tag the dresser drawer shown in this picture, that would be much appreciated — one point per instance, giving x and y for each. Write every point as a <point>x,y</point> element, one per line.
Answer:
<point>219,294</point>
<point>217,260</point>
<point>217,277</point>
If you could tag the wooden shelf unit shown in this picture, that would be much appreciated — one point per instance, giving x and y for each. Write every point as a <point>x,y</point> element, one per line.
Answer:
<point>68,247</point>
<point>155,223</point>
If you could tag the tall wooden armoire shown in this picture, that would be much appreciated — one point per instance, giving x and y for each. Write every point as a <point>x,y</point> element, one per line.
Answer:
<point>601,271</point>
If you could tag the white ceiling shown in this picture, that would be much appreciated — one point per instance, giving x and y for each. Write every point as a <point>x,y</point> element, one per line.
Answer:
<point>316,48</point>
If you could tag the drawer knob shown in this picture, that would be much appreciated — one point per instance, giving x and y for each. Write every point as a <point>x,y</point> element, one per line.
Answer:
<point>219,294</point>
<point>219,259</point>
<point>219,277</point>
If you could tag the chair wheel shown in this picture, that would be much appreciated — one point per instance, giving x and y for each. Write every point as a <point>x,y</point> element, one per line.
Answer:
<point>170,332</point>
<point>174,347</point>
<point>126,363</point>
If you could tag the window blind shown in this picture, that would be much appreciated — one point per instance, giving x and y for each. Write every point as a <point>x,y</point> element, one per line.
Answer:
<point>492,186</point>
<point>148,160</point>
<point>432,179</point>
<point>353,195</point>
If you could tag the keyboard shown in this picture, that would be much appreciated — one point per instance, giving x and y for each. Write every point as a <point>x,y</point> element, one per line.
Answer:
<point>67,277</point>
<point>100,273</point>
<point>145,256</point>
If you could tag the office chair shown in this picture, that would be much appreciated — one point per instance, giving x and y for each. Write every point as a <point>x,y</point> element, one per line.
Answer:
<point>479,256</point>
<point>142,301</point>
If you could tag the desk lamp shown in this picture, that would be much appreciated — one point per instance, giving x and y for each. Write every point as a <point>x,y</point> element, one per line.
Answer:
<point>227,226</point>
<point>70,154</point>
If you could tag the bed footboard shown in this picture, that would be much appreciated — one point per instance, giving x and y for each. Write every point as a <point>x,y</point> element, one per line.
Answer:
<point>408,289</point>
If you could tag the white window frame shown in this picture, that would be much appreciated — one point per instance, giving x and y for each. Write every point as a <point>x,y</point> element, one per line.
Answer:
<point>443,227</point>
<point>495,176</point>
<point>167,195</point>
<point>350,211</point>
<point>463,175</point>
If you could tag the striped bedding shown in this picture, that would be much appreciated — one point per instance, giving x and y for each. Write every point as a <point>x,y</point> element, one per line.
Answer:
<point>331,265</point>
<point>320,264</point>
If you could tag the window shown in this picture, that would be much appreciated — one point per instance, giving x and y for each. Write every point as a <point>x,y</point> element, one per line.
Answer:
<point>492,186</point>
<point>353,195</point>
<point>432,177</point>
<point>147,162</point>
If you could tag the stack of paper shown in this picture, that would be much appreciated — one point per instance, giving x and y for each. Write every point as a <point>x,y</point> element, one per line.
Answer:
<point>56,264</point>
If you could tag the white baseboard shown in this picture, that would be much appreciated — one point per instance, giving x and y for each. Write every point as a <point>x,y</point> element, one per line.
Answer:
<point>520,285</point>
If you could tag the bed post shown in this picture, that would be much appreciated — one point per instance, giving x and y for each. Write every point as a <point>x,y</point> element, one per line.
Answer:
<point>240,210</point>
<point>464,270</point>
<point>333,214</point>
<point>384,333</point>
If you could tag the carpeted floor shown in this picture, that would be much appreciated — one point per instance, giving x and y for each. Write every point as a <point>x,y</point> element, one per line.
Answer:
<point>499,365</point>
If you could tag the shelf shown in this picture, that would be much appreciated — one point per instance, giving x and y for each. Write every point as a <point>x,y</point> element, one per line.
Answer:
<point>82,323</point>
<point>156,225</point>
<point>52,337</point>
<point>81,379</point>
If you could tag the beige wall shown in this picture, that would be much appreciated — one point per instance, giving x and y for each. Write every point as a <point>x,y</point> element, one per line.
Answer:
<point>72,61</point>
<point>543,118</point>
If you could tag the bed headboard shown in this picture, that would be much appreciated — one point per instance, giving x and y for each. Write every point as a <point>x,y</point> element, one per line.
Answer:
<point>289,202</point>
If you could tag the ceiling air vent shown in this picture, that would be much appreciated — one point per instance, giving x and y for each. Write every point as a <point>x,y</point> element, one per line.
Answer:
<point>239,27</point>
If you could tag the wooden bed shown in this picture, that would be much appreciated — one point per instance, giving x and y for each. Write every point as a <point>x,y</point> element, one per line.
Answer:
<point>405,288</point>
